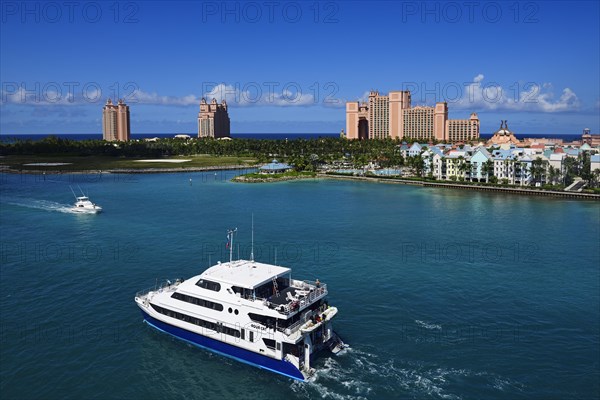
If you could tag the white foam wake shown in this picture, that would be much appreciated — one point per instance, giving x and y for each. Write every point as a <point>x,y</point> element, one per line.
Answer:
<point>427,325</point>
<point>359,374</point>
<point>45,205</point>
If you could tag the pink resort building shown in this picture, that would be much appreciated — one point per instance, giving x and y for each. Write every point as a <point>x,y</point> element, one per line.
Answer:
<point>115,121</point>
<point>391,116</point>
<point>213,119</point>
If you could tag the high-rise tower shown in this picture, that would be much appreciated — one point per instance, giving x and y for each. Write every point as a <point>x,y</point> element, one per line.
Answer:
<point>115,121</point>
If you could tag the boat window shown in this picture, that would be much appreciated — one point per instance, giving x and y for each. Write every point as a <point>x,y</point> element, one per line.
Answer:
<point>217,327</point>
<point>283,282</point>
<point>268,289</point>
<point>289,348</point>
<point>270,343</point>
<point>263,319</point>
<point>210,285</point>
<point>242,292</point>
<point>265,291</point>
<point>197,301</point>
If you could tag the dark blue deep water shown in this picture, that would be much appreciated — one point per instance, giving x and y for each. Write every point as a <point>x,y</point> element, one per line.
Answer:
<point>443,294</point>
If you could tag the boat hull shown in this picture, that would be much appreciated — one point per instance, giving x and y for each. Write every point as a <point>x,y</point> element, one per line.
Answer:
<point>80,210</point>
<point>282,367</point>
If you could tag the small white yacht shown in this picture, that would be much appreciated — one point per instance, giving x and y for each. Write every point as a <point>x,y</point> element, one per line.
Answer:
<point>249,311</point>
<point>83,204</point>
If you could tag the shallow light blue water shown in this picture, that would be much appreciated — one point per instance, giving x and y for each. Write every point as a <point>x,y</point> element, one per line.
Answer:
<point>442,293</point>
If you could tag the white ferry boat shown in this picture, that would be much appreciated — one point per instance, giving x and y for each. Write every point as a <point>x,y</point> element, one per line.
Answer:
<point>249,311</point>
<point>83,204</point>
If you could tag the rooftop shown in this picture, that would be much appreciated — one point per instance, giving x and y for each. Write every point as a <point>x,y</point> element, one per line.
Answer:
<point>244,273</point>
<point>275,166</point>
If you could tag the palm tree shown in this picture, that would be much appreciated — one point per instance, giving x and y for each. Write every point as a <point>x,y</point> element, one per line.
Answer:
<point>462,166</point>
<point>553,175</point>
<point>595,181</point>
<point>487,168</point>
<point>518,168</point>
<point>538,169</point>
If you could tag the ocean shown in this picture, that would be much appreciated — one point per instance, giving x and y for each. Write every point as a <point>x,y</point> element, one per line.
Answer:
<point>266,136</point>
<point>98,136</point>
<point>442,293</point>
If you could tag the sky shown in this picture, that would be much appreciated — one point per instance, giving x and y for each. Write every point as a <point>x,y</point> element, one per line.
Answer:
<point>290,66</point>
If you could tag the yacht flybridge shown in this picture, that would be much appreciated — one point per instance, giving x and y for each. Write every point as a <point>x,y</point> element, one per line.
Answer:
<point>247,310</point>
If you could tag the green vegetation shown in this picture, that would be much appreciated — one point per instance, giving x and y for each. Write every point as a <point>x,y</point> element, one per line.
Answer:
<point>285,176</point>
<point>306,155</point>
<point>104,163</point>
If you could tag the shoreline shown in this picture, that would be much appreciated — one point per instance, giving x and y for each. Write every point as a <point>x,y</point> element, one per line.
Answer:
<point>320,175</point>
<point>496,189</point>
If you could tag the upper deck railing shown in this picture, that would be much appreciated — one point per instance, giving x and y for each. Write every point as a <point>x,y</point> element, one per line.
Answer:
<point>159,287</point>
<point>307,293</point>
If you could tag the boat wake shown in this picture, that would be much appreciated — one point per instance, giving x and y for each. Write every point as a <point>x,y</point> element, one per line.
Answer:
<point>45,205</point>
<point>361,375</point>
<point>427,325</point>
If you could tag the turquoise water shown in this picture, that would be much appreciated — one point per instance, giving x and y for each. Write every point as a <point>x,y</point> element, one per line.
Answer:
<point>442,294</point>
<point>388,172</point>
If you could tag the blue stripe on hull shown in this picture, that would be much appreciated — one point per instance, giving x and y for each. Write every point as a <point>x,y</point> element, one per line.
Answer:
<point>282,367</point>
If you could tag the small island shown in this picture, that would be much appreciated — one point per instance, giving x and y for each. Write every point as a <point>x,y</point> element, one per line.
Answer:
<point>274,172</point>
<point>258,177</point>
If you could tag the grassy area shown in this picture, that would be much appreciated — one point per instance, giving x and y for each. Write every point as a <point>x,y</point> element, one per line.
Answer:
<point>84,163</point>
<point>257,177</point>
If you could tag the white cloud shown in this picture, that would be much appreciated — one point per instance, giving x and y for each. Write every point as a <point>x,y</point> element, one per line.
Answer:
<point>140,97</point>
<point>529,96</point>
<point>36,97</point>
<point>476,95</point>
<point>251,95</point>
<point>261,95</point>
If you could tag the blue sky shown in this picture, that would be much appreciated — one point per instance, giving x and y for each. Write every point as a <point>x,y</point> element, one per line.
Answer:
<point>289,66</point>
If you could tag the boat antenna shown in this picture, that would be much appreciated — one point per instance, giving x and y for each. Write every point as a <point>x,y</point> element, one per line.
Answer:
<point>252,248</point>
<point>81,190</point>
<point>72,191</point>
<point>275,255</point>
<point>238,251</point>
<point>230,233</point>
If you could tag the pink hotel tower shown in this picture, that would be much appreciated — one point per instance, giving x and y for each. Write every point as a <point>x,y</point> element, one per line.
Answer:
<point>391,116</point>
<point>115,121</point>
<point>213,119</point>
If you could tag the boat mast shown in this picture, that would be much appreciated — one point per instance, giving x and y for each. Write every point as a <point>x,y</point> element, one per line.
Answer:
<point>230,233</point>
<point>252,248</point>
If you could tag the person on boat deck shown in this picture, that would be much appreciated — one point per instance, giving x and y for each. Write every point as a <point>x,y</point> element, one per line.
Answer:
<point>318,283</point>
